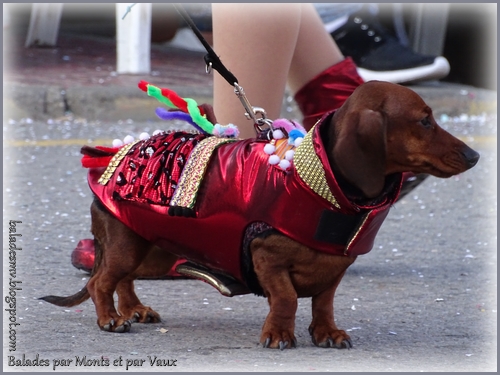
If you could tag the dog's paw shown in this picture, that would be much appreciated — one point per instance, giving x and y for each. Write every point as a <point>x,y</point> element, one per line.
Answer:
<point>117,326</point>
<point>146,315</point>
<point>330,338</point>
<point>283,340</point>
<point>139,314</point>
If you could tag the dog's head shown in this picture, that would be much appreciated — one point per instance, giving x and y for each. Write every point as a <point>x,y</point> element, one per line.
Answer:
<point>384,128</point>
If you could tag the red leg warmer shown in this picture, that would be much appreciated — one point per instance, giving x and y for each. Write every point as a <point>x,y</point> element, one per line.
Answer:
<point>327,91</point>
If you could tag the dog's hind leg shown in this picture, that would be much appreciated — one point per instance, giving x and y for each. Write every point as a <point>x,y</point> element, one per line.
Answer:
<point>119,252</point>
<point>129,305</point>
<point>157,263</point>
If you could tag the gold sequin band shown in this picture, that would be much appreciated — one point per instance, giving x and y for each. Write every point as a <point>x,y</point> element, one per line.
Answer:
<point>194,170</point>
<point>115,162</point>
<point>311,170</point>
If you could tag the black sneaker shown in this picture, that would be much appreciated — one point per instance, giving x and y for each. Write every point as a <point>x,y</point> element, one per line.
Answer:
<point>380,56</point>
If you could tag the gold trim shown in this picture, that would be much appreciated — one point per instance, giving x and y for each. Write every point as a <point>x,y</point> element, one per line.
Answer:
<point>226,285</point>
<point>347,248</point>
<point>197,274</point>
<point>194,170</point>
<point>311,170</point>
<point>115,162</point>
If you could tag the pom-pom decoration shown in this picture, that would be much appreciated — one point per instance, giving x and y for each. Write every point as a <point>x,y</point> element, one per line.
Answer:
<point>286,136</point>
<point>128,139</point>
<point>143,136</point>
<point>188,111</point>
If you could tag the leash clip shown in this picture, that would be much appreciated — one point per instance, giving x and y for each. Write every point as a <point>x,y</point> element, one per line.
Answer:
<point>261,123</point>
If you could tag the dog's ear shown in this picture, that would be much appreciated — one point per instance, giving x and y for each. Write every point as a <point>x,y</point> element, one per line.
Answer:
<point>360,150</point>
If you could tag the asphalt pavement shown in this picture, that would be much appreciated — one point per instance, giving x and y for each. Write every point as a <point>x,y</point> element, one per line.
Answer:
<point>424,299</point>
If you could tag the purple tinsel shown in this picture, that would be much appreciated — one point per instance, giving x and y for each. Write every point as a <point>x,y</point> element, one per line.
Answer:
<point>177,115</point>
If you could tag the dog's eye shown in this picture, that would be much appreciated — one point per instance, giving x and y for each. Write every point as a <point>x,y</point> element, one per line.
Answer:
<point>426,122</point>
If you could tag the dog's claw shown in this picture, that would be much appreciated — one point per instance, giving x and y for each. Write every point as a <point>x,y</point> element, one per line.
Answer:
<point>294,343</point>
<point>120,329</point>
<point>347,343</point>
<point>107,327</point>
<point>266,343</point>
<point>125,327</point>
<point>283,345</point>
<point>329,343</point>
<point>152,317</point>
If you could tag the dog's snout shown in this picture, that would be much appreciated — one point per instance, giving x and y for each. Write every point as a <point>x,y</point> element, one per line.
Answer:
<point>471,157</point>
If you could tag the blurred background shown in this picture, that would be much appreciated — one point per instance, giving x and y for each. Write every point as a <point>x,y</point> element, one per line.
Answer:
<point>469,44</point>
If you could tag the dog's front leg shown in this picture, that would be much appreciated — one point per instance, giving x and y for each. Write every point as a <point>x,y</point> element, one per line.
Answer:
<point>324,332</point>
<point>273,273</point>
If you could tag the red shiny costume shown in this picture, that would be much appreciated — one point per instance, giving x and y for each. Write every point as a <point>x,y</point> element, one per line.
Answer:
<point>238,188</point>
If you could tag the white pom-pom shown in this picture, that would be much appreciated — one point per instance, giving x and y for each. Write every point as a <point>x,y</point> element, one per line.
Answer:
<point>144,136</point>
<point>284,164</point>
<point>269,149</point>
<point>128,139</point>
<point>157,131</point>
<point>274,159</point>
<point>289,155</point>
<point>117,143</point>
<point>278,134</point>
<point>298,141</point>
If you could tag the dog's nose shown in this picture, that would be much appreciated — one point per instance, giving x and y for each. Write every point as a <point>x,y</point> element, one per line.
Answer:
<point>471,157</point>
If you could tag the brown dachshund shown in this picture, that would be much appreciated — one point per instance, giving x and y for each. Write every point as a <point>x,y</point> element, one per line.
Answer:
<point>381,131</point>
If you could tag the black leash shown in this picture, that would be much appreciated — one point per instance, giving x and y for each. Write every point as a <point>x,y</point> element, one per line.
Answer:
<point>212,61</point>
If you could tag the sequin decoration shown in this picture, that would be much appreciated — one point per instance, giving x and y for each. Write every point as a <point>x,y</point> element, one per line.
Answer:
<point>310,169</point>
<point>192,175</point>
<point>114,163</point>
<point>150,172</point>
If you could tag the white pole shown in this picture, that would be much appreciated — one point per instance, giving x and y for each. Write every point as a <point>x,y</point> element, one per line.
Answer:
<point>133,38</point>
<point>44,24</point>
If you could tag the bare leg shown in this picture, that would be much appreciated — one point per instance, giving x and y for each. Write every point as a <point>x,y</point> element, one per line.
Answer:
<point>264,45</point>
<point>314,52</point>
<point>256,42</point>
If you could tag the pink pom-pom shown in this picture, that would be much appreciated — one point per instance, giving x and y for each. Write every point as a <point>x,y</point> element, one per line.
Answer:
<point>274,159</point>
<point>288,125</point>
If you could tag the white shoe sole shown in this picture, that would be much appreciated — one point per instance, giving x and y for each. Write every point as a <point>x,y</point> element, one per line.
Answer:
<point>439,69</point>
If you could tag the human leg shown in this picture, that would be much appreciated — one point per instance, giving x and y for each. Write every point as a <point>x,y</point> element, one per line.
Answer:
<point>314,50</point>
<point>256,42</point>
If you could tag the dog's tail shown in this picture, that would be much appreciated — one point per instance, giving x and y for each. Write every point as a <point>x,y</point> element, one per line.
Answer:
<point>83,294</point>
<point>70,301</point>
